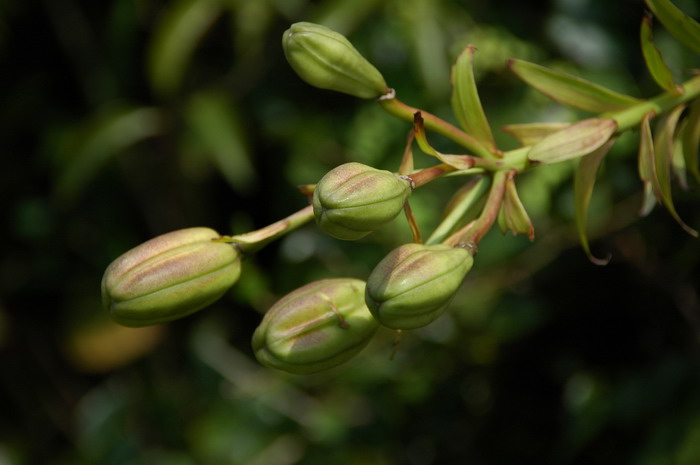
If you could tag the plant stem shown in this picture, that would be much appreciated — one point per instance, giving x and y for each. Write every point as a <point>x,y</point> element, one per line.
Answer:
<point>469,197</point>
<point>472,233</point>
<point>631,117</point>
<point>405,112</point>
<point>253,241</point>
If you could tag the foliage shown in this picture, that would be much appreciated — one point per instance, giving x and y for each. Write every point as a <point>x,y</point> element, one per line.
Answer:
<point>139,118</point>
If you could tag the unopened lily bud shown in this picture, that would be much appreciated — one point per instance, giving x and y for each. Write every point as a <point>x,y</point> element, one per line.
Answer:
<point>326,59</point>
<point>315,327</point>
<point>169,276</point>
<point>353,200</point>
<point>414,283</point>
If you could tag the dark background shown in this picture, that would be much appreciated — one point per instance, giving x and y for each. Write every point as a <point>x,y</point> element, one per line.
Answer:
<point>121,120</point>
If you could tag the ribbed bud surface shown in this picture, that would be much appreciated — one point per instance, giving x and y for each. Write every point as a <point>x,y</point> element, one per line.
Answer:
<point>414,283</point>
<point>169,276</point>
<point>326,59</point>
<point>315,327</point>
<point>353,199</point>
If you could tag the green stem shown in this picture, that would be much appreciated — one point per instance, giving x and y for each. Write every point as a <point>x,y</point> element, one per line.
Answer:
<point>253,241</point>
<point>469,198</point>
<point>405,112</point>
<point>472,233</point>
<point>632,117</point>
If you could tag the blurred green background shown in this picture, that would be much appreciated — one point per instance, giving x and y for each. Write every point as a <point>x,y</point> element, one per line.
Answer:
<point>121,120</point>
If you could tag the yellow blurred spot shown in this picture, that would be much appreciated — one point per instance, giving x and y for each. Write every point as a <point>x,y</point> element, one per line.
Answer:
<point>105,345</point>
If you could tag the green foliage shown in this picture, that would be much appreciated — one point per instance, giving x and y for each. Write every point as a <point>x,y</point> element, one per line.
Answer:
<point>132,119</point>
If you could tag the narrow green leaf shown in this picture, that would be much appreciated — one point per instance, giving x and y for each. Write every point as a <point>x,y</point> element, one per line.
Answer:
<point>663,151</point>
<point>579,139</point>
<point>531,133</point>
<point>176,36</point>
<point>512,216</point>
<point>105,136</point>
<point>459,162</point>
<point>647,168</point>
<point>654,61</point>
<point>571,90</point>
<point>677,160</point>
<point>213,119</point>
<point>681,26</point>
<point>464,206</point>
<point>584,182</point>
<point>691,139</point>
<point>648,200</point>
<point>465,100</point>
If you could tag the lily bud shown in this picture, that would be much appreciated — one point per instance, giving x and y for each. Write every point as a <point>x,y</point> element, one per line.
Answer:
<point>315,327</point>
<point>414,283</point>
<point>326,59</point>
<point>353,200</point>
<point>169,276</point>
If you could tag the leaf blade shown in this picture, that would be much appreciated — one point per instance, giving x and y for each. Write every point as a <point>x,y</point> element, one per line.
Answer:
<point>663,149</point>
<point>681,26</point>
<point>654,61</point>
<point>465,100</point>
<point>573,141</point>
<point>584,181</point>
<point>571,90</point>
<point>531,133</point>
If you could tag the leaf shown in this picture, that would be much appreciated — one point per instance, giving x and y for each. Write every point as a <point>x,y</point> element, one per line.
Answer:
<point>177,35</point>
<point>654,61</point>
<point>571,90</point>
<point>584,182</point>
<point>677,160</point>
<point>574,141</point>
<point>690,137</point>
<point>459,162</point>
<point>646,167</point>
<point>109,135</point>
<point>212,117</point>
<point>681,26</point>
<point>465,100</point>
<point>512,216</point>
<point>663,155</point>
<point>531,133</point>
<point>464,206</point>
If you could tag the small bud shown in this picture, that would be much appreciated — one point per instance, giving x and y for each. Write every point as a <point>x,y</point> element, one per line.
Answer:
<point>315,327</point>
<point>414,283</point>
<point>326,59</point>
<point>169,276</point>
<point>353,200</point>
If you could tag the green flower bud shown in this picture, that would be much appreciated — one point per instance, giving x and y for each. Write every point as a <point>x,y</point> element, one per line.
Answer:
<point>326,59</point>
<point>414,283</point>
<point>315,327</point>
<point>169,276</point>
<point>353,200</point>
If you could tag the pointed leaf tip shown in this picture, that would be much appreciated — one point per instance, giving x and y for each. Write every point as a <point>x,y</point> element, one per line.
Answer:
<point>465,99</point>
<point>584,182</point>
<point>574,141</point>
<point>654,61</point>
<point>571,90</point>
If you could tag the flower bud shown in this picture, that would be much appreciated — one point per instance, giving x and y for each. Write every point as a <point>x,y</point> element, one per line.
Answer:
<point>326,59</point>
<point>414,283</point>
<point>169,276</point>
<point>315,327</point>
<point>353,200</point>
